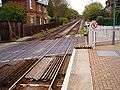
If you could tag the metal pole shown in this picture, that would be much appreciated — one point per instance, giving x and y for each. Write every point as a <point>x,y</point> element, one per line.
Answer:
<point>113,39</point>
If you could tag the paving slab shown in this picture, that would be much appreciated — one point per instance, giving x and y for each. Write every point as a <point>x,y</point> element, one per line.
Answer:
<point>107,53</point>
<point>105,71</point>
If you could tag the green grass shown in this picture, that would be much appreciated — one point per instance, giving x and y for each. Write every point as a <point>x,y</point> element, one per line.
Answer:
<point>39,35</point>
<point>42,34</point>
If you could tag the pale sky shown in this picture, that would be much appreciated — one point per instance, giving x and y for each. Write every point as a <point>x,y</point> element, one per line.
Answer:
<point>79,5</point>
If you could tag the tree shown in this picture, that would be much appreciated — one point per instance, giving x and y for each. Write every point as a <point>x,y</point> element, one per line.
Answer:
<point>59,10</point>
<point>50,9</point>
<point>92,11</point>
<point>104,13</point>
<point>71,13</point>
<point>12,12</point>
<point>60,7</point>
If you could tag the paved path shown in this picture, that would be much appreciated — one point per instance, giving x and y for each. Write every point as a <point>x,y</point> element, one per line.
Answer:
<point>105,71</point>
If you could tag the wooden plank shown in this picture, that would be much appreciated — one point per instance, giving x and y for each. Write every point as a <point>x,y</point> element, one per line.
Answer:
<point>39,69</point>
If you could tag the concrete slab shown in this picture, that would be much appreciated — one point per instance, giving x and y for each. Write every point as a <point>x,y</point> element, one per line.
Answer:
<point>78,75</point>
<point>107,53</point>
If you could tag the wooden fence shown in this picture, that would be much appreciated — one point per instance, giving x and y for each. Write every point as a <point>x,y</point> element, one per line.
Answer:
<point>19,30</point>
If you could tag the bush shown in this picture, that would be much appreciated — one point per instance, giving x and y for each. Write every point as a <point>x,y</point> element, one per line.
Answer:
<point>99,20</point>
<point>118,19</point>
<point>107,22</point>
<point>63,20</point>
<point>104,21</point>
<point>83,31</point>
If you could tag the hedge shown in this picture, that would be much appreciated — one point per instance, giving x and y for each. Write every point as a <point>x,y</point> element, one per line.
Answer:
<point>107,21</point>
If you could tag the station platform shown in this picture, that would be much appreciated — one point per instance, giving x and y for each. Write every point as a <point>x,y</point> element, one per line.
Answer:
<point>78,76</point>
<point>94,69</point>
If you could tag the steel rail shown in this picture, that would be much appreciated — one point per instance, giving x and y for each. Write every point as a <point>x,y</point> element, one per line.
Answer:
<point>50,87</point>
<point>34,65</point>
<point>66,52</point>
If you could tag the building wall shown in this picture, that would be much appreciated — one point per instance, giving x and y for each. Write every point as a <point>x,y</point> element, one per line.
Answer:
<point>36,12</point>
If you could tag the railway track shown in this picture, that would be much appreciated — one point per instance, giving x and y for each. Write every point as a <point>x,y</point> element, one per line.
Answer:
<point>59,66</point>
<point>50,72</point>
<point>48,76</point>
<point>60,29</point>
<point>24,49</point>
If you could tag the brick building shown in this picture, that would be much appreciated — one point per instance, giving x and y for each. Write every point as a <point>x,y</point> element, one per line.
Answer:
<point>36,10</point>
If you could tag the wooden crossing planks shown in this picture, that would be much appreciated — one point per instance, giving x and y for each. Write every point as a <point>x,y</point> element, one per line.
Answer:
<point>39,69</point>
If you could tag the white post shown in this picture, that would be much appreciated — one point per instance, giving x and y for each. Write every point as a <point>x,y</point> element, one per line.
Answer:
<point>94,39</point>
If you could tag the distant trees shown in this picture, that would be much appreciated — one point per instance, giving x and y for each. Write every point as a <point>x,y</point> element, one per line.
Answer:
<point>58,9</point>
<point>50,8</point>
<point>95,11</point>
<point>92,11</point>
<point>71,13</point>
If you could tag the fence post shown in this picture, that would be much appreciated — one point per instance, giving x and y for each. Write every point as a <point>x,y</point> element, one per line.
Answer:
<point>113,39</point>
<point>94,38</point>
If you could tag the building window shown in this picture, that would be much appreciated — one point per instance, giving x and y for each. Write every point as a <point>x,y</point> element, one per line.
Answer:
<point>40,8</point>
<point>44,21</point>
<point>40,21</point>
<point>32,20</point>
<point>30,4</point>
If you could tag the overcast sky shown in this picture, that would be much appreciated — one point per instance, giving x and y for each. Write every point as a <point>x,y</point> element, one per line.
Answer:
<point>79,5</point>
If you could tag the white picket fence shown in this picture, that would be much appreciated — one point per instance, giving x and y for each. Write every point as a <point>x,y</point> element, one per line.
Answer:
<point>103,34</point>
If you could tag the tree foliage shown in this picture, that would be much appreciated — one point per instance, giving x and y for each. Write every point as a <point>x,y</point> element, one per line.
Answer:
<point>12,12</point>
<point>92,11</point>
<point>59,9</point>
<point>71,13</point>
<point>50,9</point>
<point>104,13</point>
